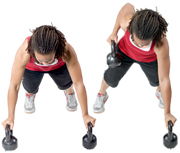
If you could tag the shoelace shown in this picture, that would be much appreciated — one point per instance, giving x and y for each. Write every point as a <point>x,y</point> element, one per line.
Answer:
<point>99,101</point>
<point>72,100</point>
<point>30,102</point>
<point>160,97</point>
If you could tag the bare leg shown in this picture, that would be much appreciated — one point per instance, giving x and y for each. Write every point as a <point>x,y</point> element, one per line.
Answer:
<point>104,86</point>
<point>158,88</point>
<point>70,89</point>
<point>29,93</point>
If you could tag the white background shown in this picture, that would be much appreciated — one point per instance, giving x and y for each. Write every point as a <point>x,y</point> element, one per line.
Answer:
<point>132,120</point>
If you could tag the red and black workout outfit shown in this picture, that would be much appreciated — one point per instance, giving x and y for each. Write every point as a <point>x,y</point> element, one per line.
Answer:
<point>34,73</point>
<point>130,54</point>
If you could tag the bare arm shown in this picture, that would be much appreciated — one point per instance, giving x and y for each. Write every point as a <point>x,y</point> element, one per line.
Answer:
<point>122,21</point>
<point>163,72</point>
<point>124,17</point>
<point>76,75</point>
<point>21,58</point>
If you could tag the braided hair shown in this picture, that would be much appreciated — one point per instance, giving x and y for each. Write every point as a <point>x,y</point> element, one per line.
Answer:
<point>46,40</point>
<point>147,24</point>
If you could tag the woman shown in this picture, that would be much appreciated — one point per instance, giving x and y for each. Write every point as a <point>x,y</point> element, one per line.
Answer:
<point>46,51</point>
<point>144,43</point>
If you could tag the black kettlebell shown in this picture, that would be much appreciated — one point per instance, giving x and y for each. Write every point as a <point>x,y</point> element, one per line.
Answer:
<point>89,140</point>
<point>170,140</point>
<point>9,142</point>
<point>113,58</point>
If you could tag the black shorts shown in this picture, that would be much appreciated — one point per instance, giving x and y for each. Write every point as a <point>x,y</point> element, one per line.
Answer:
<point>112,76</point>
<point>32,79</point>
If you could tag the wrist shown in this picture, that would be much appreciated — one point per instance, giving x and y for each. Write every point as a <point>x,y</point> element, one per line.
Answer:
<point>166,113</point>
<point>11,117</point>
<point>114,33</point>
<point>85,115</point>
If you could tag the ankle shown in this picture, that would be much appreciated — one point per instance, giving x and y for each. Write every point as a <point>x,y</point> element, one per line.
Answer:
<point>29,93</point>
<point>70,91</point>
<point>102,92</point>
<point>158,89</point>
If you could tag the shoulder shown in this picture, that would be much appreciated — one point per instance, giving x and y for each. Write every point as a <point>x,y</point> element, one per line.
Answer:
<point>22,54</point>
<point>162,48</point>
<point>69,55</point>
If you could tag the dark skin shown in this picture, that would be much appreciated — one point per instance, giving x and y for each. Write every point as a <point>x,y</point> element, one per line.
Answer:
<point>22,57</point>
<point>162,52</point>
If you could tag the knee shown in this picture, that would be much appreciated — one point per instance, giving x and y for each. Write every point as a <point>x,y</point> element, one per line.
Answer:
<point>111,83</point>
<point>30,90</point>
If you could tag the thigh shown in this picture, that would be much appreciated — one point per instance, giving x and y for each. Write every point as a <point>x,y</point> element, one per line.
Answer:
<point>61,77</point>
<point>32,80</point>
<point>112,76</point>
<point>151,72</point>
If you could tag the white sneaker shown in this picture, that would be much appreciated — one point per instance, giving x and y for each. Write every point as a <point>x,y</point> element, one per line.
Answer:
<point>99,103</point>
<point>161,103</point>
<point>71,101</point>
<point>29,106</point>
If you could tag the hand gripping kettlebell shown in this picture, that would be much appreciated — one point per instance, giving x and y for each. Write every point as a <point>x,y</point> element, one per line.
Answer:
<point>113,58</point>
<point>9,142</point>
<point>170,140</point>
<point>89,140</point>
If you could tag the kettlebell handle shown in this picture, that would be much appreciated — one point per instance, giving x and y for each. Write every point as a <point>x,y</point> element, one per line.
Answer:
<point>8,132</point>
<point>170,133</point>
<point>89,133</point>
<point>113,52</point>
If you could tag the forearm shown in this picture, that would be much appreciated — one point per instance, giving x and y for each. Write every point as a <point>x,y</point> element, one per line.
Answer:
<point>12,99</point>
<point>166,95</point>
<point>82,98</point>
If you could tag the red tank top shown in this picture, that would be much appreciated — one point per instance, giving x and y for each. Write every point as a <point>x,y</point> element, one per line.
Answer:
<point>134,52</point>
<point>34,67</point>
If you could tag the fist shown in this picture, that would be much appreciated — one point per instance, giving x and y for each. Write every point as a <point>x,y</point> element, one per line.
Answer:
<point>169,117</point>
<point>88,119</point>
<point>9,121</point>
<point>112,37</point>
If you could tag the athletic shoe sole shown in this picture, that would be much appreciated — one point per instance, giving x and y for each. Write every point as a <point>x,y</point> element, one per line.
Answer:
<point>70,110</point>
<point>100,111</point>
<point>29,112</point>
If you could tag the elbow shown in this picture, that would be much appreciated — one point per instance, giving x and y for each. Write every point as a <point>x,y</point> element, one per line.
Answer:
<point>128,5</point>
<point>17,87</point>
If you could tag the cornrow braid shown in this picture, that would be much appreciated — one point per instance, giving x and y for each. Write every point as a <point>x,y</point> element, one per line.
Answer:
<point>147,24</point>
<point>45,40</point>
